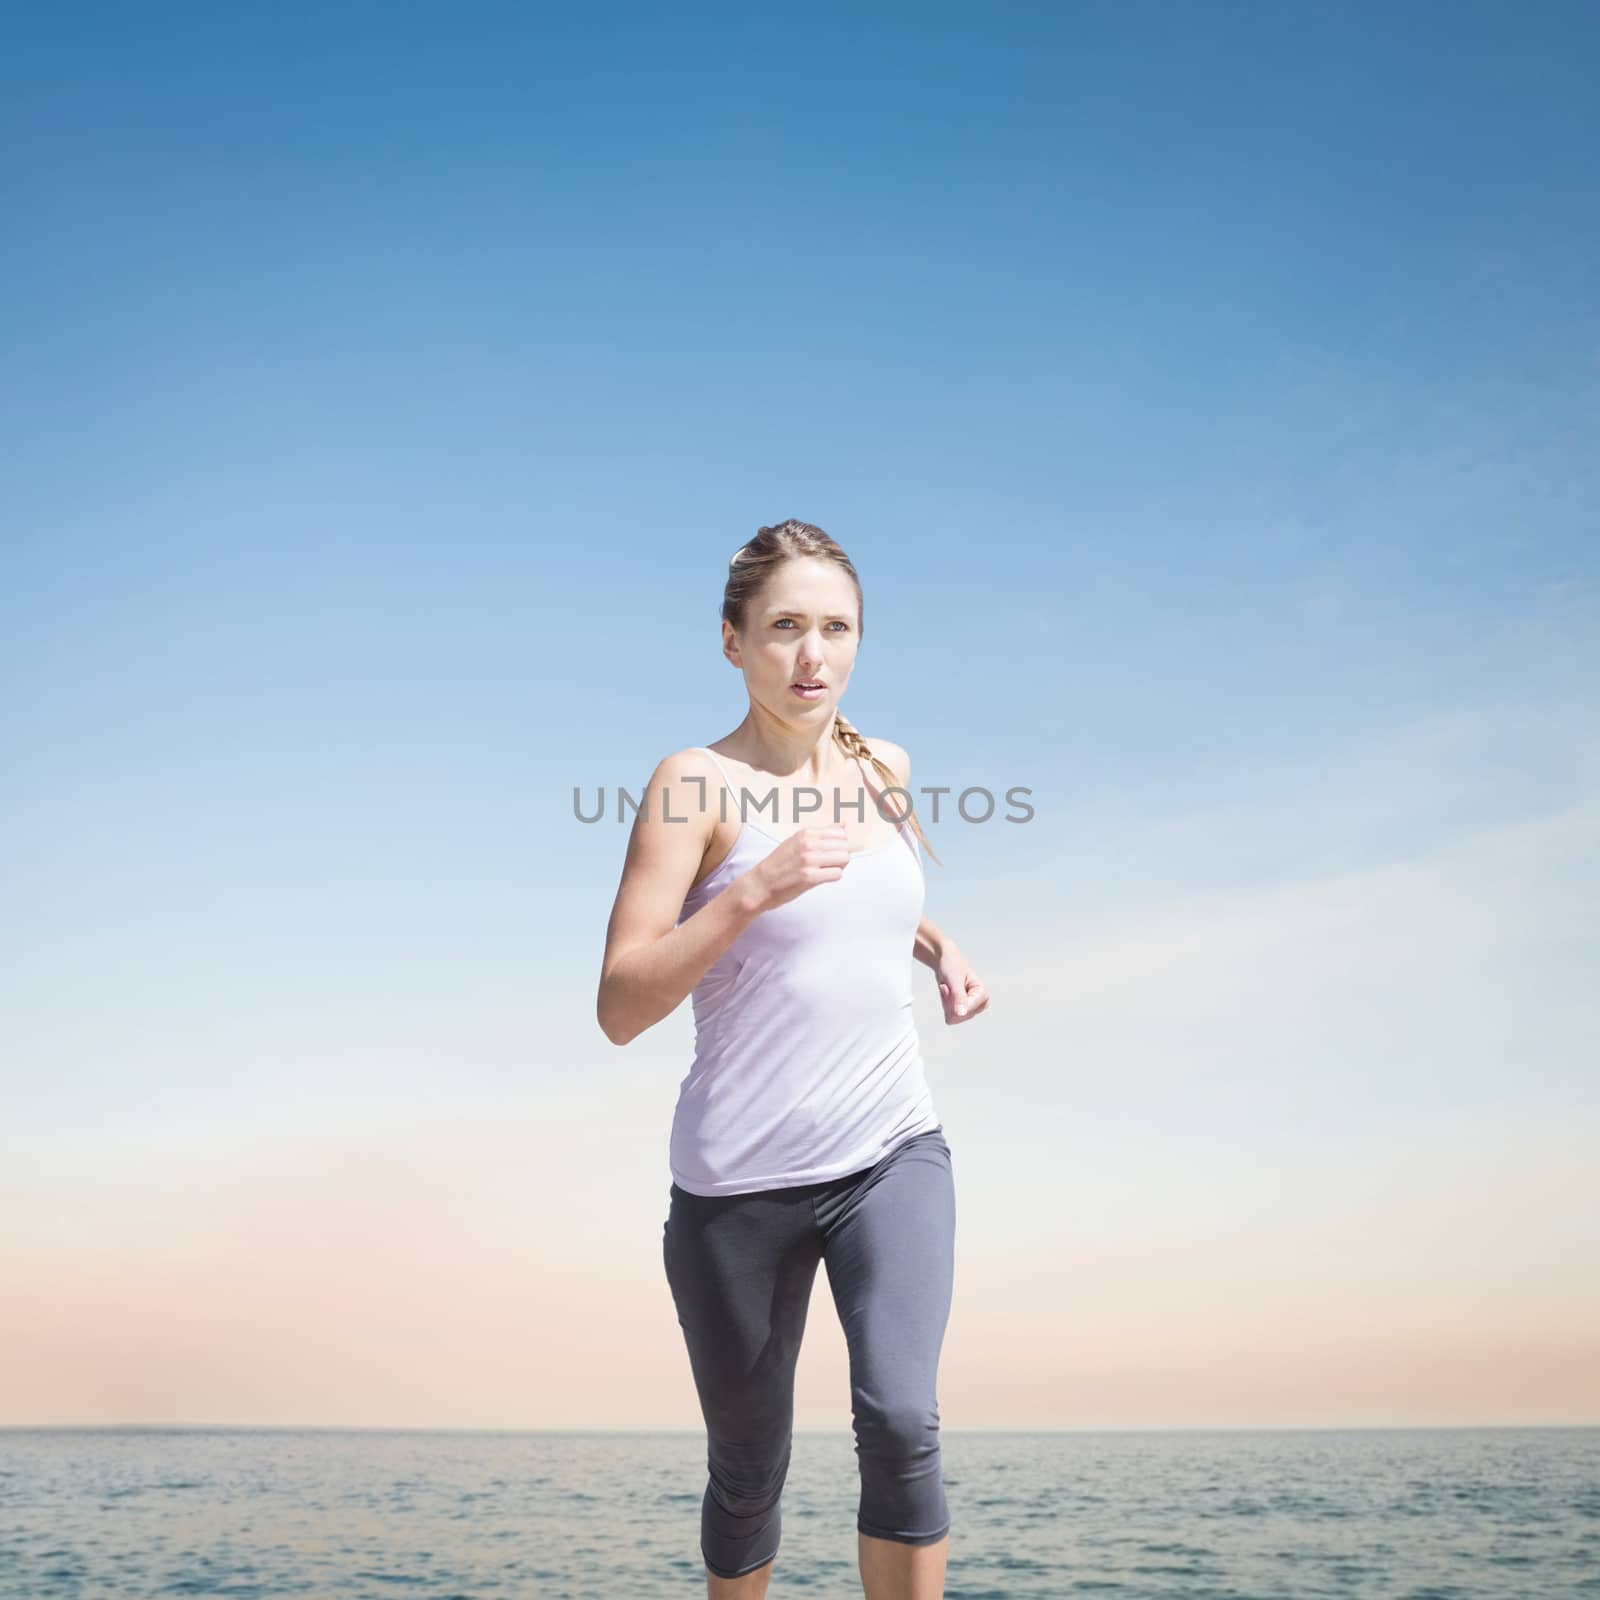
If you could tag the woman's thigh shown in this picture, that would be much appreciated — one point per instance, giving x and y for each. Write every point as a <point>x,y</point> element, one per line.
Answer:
<point>888,1239</point>
<point>741,1270</point>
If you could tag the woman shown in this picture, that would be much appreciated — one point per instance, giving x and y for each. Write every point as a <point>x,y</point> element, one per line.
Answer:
<point>804,1130</point>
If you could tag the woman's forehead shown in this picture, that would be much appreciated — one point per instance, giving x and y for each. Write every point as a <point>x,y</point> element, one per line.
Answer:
<point>808,583</point>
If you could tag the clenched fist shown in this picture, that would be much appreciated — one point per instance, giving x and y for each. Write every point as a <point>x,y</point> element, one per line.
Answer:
<point>813,855</point>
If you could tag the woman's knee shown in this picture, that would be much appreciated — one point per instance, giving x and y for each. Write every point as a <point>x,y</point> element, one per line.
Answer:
<point>749,1475</point>
<point>902,1430</point>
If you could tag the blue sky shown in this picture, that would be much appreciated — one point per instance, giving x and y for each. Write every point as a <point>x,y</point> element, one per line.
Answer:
<point>1206,395</point>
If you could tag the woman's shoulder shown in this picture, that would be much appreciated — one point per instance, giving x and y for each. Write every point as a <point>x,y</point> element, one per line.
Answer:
<point>686,779</point>
<point>692,762</point>
<point>893,756</point>
<point>687,787</point>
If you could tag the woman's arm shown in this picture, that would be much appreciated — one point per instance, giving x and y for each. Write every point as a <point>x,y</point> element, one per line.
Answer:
<point>651,961</point>
<point>929,943</point>
<point>644,982</point>
<point>961,990</point>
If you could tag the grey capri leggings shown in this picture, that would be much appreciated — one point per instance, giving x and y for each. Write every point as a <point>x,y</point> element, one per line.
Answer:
<point>741,1269</point>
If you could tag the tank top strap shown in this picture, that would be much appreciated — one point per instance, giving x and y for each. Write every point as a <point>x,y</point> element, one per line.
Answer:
<point>720,768</point>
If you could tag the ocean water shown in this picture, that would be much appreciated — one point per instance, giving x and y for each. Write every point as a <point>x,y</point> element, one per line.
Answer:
<point>1427,1514</point>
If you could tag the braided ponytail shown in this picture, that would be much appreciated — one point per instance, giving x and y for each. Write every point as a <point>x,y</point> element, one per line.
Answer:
<point>851,742</point>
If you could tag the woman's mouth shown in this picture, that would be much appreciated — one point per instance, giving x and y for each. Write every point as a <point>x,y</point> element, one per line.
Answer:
<point>809,689</point>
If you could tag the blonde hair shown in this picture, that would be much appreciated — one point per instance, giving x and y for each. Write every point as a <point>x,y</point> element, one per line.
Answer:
<point>749,569</point>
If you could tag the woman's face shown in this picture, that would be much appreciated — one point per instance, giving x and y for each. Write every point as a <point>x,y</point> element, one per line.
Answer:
<point>804,624</point>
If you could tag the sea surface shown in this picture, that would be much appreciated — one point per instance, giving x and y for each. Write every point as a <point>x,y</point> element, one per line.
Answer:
<point>1426,1514</point>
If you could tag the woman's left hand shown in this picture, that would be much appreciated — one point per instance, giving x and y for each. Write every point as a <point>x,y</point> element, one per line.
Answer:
<point>960,988</point>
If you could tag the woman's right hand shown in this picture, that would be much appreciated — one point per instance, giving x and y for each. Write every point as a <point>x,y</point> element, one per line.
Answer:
<point>809,856</point>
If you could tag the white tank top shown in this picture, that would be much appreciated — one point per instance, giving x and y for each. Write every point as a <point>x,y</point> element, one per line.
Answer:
<point>806,1059</point>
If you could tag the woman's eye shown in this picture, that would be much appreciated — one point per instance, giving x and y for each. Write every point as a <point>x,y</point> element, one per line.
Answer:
<point>783,622</point>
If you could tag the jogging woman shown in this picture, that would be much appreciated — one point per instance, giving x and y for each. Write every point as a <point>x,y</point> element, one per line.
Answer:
<point>774,879</point>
